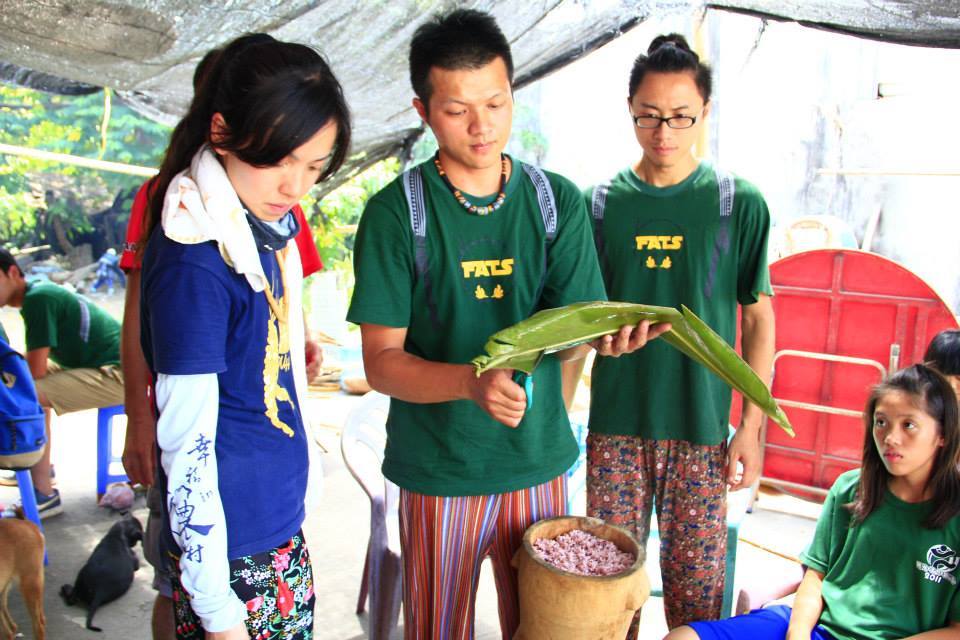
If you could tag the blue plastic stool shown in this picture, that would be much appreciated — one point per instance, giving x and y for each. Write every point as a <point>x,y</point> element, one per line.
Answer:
<point>28,498</point>
<point>105,456</point>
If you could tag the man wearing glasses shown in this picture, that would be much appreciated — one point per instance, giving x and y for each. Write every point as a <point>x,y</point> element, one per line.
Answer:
<point>672,230</point>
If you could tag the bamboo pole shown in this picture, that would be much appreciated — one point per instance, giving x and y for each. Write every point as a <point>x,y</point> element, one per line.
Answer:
<point>770,550</point>
<point>90,163</point>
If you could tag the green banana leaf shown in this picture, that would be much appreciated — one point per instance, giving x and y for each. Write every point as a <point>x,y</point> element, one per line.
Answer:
<point>521,346</point>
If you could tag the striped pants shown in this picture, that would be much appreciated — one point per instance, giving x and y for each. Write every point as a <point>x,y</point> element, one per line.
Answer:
<point>444,540</point>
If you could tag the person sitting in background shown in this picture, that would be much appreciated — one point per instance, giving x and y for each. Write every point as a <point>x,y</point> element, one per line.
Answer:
<point>883,560</point>
<point>107,270</point>
<point>73,351</point>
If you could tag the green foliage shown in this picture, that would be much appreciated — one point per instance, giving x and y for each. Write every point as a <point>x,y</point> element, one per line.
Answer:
<point>527,143</point>
<point>334,218</point>
<point>16,215</point>
<point>424,147</point>
<point>73,125</point>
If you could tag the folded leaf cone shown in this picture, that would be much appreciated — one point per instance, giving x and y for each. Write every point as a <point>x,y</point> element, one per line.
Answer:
<point>522,345</point>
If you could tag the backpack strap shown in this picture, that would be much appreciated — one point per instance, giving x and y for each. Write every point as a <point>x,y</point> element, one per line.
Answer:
<point>721,245</point>
<point>417,204</point>
<point>413,189</point>
<point>548,213</point>
<point>545,198</point>
<point>727,191</point>
<point>597,205</point>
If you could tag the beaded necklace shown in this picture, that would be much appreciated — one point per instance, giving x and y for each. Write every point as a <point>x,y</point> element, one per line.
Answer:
<point>469,206</point>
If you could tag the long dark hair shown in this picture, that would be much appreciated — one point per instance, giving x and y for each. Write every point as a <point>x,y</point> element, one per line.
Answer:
<point>273,96</point>
<point>933,394</point>
<point>671,54</point>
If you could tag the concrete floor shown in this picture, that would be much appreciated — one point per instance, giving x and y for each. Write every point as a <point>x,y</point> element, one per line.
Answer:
<point>336,531</point>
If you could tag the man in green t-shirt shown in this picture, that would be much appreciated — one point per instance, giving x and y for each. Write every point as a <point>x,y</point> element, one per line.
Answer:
<point>474,465</point>
<point>671,230</point>
<point>73,351</point>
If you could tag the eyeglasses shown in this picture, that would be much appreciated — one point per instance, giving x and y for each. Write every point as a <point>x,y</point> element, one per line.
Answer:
<point>674,122</point>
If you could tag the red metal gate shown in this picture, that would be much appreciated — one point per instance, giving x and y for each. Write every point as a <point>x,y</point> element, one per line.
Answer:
<point>842,317</point>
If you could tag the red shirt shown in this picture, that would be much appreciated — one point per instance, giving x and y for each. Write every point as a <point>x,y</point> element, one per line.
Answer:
<point>309,257</point>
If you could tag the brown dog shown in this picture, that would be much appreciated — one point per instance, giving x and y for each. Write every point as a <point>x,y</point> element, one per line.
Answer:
<point>21,557</point>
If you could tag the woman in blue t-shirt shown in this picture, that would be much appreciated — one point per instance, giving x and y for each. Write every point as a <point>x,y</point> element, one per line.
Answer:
<point>885,558</point>
<point>222,330</point>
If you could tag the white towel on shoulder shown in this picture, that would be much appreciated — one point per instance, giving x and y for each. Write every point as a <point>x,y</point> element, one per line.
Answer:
<point>201,205</point>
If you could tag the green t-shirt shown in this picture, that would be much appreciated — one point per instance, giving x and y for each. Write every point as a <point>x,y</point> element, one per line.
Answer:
<point>661,247</point>
<point>888,577</point>
<point>484,273</point>
<point>79,333</point>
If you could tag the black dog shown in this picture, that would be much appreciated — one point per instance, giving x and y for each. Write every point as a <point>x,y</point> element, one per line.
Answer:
<point>109,572</point>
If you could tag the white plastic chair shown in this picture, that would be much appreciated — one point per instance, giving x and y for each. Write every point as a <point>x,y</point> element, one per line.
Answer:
<point>361,444</point>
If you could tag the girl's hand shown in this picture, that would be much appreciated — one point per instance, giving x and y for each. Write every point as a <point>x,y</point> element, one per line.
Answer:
<point>238,632</point>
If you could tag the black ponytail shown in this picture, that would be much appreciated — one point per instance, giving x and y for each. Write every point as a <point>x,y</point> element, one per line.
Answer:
<point>274,96</point>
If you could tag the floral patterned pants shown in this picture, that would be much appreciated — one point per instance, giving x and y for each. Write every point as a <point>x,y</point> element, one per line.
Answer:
<point>627,476</point>
<point>276,585</point>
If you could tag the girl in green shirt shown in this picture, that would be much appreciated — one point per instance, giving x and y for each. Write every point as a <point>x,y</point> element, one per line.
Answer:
<point>885,556</point>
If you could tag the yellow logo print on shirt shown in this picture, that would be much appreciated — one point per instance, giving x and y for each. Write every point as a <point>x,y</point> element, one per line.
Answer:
<point>485,268</point>
<point>276,359</point>
<point>669,243</point>
<point>659,243</point>
<point>481,294</point>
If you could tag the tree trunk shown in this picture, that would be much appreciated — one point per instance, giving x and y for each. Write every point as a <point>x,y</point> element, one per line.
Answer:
<point>61,234</point>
